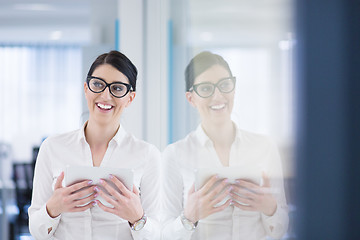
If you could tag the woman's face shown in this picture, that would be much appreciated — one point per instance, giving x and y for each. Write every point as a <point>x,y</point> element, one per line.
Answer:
<point>104,108</point>
<point>217,108</point>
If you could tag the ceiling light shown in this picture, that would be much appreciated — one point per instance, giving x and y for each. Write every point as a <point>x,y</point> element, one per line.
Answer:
<point>34,7</point>
<point>55,35</point>
<point>206,36</point>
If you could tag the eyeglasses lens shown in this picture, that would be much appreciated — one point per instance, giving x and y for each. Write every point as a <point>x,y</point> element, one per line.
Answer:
<point>208,89</point>
<point>116,89</point>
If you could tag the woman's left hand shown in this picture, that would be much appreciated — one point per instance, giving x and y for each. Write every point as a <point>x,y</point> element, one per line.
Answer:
<point>127,204</point>
<point>258,198</point>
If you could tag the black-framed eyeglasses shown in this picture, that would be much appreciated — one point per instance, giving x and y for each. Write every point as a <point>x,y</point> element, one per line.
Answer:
<point>207,89</point>
<point>117,89</point>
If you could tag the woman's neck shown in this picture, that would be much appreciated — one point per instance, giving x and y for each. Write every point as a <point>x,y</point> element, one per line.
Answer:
<point>221,135</point>
<point>99,135</point>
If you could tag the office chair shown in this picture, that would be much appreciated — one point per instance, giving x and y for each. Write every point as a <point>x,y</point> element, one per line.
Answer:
<point>23,179</point>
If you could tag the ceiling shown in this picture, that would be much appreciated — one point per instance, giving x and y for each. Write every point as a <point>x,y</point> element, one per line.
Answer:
<point>44,21</point>
<point>212,21</point>
<point>246,22</point>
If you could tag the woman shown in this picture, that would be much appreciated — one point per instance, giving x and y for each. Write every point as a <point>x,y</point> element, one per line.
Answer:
<point>72,212</point>
<point>220,209</point>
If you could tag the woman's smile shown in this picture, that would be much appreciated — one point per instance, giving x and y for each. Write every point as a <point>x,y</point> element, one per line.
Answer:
<point>217,107</point>
<point>104,107</point>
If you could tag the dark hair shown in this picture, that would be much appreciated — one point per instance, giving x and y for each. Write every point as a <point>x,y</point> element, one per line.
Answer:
<point>118,61</point>
<point>200,63</point>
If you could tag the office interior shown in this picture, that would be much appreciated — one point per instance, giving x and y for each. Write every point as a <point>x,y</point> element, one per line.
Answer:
<point>46,48</point>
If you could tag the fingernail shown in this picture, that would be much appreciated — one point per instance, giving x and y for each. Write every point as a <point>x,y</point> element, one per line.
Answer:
<point>94,203</point>
<point>96,195</point>
<point>111,176</point>
<point>230,188</point>
<point>217,176</point>
<point>226,180</point>
<point>96,189</point>
<point>90,182</point>
<point>102,182</point>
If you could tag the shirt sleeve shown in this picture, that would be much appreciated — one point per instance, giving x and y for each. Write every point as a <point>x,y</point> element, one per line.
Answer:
<point>172,202</point>
<point>41,225</point>
<point>277,224</point>
<point>150,198</point>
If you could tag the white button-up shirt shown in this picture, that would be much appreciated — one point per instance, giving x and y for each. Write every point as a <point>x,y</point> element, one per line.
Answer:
<point>197,151</point>
<point>124,151</point>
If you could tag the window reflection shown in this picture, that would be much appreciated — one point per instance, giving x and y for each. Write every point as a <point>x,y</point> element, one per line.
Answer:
<point>256,39</point>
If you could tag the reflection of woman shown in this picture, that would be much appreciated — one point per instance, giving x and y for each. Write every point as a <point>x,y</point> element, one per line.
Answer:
<point>72,212</point>
<point>218,142</point>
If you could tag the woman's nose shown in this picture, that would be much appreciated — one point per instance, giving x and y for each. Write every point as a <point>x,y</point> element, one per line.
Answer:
<point>106,93</point>
<point>217,94</point>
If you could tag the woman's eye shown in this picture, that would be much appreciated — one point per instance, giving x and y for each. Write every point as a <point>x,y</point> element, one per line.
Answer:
<point>205,88</point>
<point>225,85</point>
<point>118,88</point>
<point>98,84</point>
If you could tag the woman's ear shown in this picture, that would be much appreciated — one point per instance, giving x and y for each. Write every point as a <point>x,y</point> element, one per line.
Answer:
<point>85,88</point>
<point>190,98</point>
<point>131,98</point>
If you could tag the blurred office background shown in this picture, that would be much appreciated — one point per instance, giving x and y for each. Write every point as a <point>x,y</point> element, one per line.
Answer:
<point>46,48</point>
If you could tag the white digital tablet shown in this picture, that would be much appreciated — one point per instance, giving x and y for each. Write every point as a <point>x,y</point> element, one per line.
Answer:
<point>75,174</point>
<point>251,174</point>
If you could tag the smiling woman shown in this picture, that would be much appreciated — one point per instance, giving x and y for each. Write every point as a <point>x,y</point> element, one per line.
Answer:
<point>102,142</point>
<point>224,207</point>
<point>107,91</point>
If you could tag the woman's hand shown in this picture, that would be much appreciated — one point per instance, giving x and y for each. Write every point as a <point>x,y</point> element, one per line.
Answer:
<point>201,203</point>
<point>127,204</point>
<point>70,199</point>
<point>258,198</point>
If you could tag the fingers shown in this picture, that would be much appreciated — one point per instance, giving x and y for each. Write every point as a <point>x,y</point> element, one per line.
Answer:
<point>120,185</point>
<point>80,185</point>
<point>222,207</point>
<point>111,190</point>
<point>104,208</point>
<point>208,185</point>
<point>192,189</point>
<point>249,185</point>
<point>83,192</point>
<point>244,192</point>
<point>83,208</point>
<point>80,202</point>
<point>266,180</point>
<point>221,196</point>
<point>220,187</point>
<point>136,190</point>
<point>241,199</point>
<point>109,199</point>
<point>59,180</point>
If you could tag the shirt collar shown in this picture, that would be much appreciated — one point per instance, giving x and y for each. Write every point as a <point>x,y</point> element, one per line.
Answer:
<point>119,136</point>
<point>204,139</point>
<point>201,136</point>
<point>81,134</point>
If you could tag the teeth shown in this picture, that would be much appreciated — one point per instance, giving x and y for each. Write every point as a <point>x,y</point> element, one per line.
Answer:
<point>217,107</point>
<point>103,106</point>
